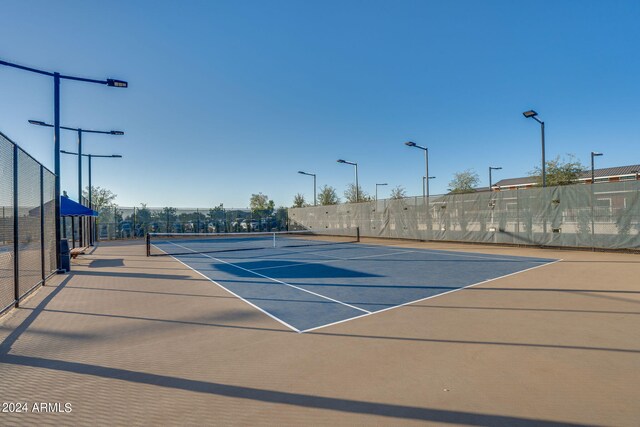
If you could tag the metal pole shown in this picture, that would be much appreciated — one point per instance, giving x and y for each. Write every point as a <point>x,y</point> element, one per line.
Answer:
<point>80,221</point>
<point>315,198</point>
<point>42,222</point>
<point>56,156</point>
<point>544,162</point>
<point>92,228</point>
<point>16,230</point>
<point>426,163</point>
<point>357,191</point>
<point>490,177</point>
<point>73,232</point>
<point>592,167</point>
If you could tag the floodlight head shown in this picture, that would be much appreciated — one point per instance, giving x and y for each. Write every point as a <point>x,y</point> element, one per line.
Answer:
<point>530,113</point>
<point>68,152</point>
<point>593,153</point>
<point>116,132</point>
<point>341,161</point>
<point>39,123</point>
<point>117,83</point>
<point>117,156</point>
<point>303,173</point>
<point>495,169</point>
<point>410,144</point>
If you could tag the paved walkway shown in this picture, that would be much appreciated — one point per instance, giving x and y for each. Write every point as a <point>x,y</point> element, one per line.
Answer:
<point>130,340</point>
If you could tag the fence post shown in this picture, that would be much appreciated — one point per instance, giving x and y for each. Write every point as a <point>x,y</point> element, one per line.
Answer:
<point>42,223</point>
<point>133,232</point>
<point>73,232</point>
<point>16,245</point>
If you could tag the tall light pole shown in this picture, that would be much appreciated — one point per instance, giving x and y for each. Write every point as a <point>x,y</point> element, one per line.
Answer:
<point>80,132</point>
<point>91,156</point>
<point>56,132</point>
<point>314,185</point>
<point>593,154</point>
<point>491,168</point>
<point>356,165</point>
<point>531,114</point>
<point>377,189</point>
<point>426,165</point>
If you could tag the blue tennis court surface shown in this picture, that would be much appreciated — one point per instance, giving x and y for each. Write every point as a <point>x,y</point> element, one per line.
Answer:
<point>306,288</point>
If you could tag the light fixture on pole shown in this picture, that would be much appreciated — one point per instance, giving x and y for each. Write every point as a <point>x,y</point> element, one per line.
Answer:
<point>356,166</point>
<point>314,185</point>
<point>491,168</point>
<point>56,132</point>
<point>531,114</point>
<point>425,191</point>
<point>377,189</point>
<point>593,154</point>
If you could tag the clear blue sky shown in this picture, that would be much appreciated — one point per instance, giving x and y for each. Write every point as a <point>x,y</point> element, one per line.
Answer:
<point>230,98</point>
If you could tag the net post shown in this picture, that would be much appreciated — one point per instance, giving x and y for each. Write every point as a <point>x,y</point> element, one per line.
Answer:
<point>148,245</point>
<point>357,234</point>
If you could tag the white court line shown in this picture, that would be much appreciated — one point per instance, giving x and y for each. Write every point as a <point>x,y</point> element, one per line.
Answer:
<point>429,297</point>
<point>325,262</point>
<point>490,257</point>
<point>233,293</point>
<point>275,280</point>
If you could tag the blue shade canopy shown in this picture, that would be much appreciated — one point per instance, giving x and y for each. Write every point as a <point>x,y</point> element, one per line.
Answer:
<point>70,208</point>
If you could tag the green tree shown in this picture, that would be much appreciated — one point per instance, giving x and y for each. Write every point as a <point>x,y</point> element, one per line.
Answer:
<point>298,201</point>
<point>350,194</point>
<point>398,192</point>
<point>281,216</point>
<point>143,218</point>
<point>560,171</point>
<point>328,196</point>
<point>260,205</point>
<point>464,182</point>
<point>100,197</point>
<point>169,216</point>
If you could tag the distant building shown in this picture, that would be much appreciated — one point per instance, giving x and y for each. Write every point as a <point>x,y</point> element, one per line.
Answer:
<point>615,174</point>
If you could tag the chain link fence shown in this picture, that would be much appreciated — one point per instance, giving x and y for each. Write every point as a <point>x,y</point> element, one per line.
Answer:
<point>27,227</point>
<point>118,222</point>
<point>603,216</point>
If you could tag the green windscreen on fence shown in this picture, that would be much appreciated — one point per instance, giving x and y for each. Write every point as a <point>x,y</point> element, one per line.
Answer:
<point>603,215</point>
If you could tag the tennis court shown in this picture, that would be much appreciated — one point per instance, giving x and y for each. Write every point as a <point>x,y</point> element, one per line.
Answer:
<point>307,282</point>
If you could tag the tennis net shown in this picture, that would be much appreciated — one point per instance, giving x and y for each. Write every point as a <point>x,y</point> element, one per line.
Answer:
<point>194,243</point>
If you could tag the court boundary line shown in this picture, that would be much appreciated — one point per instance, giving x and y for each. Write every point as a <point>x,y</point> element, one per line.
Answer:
<point>280,281</point>
<point>432,296</point>
<point>234,294</point>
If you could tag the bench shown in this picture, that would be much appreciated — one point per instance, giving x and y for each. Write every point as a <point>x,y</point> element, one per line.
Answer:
<point>77,251</point>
